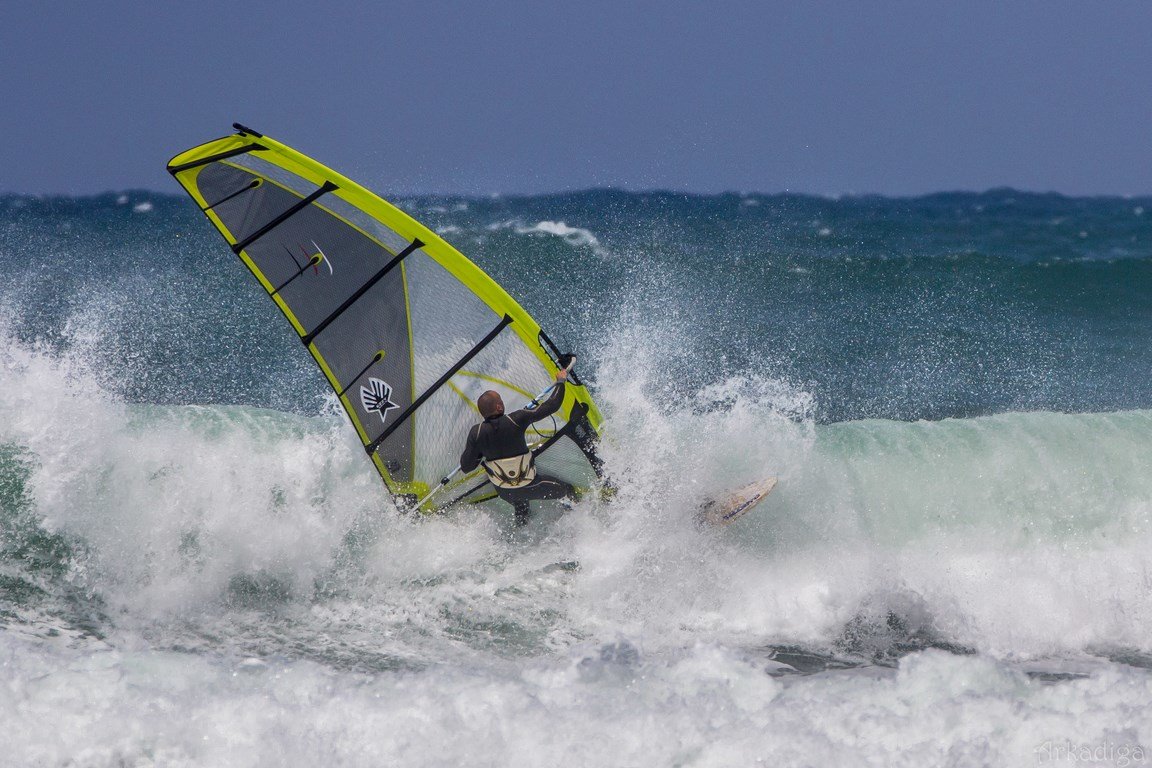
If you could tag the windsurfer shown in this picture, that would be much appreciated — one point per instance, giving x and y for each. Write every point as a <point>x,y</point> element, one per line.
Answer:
<point>498,444</point>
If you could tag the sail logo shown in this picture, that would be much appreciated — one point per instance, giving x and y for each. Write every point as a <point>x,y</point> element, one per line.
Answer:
<point>376,397</point>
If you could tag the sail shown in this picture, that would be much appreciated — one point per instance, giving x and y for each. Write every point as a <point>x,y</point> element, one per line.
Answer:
<point>407,330</point>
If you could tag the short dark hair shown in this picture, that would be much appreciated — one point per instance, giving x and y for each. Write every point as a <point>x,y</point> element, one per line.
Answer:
<point>490,404</point>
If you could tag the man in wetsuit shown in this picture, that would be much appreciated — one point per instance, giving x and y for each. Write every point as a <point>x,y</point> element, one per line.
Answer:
<point>499,445</point>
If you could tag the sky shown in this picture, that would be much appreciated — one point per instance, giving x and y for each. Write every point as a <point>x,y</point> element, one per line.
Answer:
<point>825,97</point>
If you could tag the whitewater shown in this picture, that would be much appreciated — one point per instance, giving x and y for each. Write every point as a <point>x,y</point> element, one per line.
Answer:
<point>198,567</point>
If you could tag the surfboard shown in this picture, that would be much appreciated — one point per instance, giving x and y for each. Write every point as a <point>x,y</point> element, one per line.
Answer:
<point>735,504</point>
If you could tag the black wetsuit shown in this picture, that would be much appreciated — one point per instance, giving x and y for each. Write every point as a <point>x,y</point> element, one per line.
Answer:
<point>502,437</point>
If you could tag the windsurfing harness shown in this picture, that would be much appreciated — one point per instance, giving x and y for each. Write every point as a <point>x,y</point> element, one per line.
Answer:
<point>512,472</point>
<point>407,331</point>
<point>500,447</point>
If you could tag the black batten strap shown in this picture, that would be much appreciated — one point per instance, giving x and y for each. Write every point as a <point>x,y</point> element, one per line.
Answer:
<point>371,447</point>
<point>295,209</point>
<point>412,246</point>
<point>375,359</point>
<point>175,169</point>
<point>251,185</point>
<point>311,263</point>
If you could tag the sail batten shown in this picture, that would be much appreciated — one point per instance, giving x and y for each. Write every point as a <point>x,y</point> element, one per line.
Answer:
<point>412,246</point>
<point>407,331</point>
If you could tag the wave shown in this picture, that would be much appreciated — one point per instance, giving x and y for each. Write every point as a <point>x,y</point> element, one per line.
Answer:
<point>707,706</point>
<point>188,526</point>
<point>574,236</point>
<point>1019,535</point>
<point>198,559</point>
<point>1014,534</point>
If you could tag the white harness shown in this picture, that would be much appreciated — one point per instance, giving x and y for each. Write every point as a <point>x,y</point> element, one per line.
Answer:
<point>512,472</point>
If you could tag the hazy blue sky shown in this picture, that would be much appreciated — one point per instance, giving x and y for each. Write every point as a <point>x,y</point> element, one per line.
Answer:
<point>502,96</point>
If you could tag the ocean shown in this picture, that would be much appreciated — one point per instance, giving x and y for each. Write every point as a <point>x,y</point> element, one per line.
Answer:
<point>199,567</point>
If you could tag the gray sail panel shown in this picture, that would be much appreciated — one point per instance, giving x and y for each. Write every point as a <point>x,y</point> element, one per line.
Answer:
<point>349,259</point>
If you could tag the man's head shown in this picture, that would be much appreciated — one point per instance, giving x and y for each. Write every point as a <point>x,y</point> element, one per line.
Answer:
<point>490,404</point>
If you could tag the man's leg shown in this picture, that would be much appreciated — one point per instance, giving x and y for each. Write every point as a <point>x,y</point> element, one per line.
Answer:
<point>542,488</point>
<point>523,512</point>
<point>519,502</point>
<point>548,487</point>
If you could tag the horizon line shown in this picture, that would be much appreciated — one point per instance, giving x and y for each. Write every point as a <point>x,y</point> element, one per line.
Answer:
<point>655,191</point>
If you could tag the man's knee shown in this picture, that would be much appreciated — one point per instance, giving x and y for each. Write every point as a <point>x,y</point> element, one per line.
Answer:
<point>552,488</point>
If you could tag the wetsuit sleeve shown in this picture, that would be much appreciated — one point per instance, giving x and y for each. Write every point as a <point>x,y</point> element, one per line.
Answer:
<point>524,416</point>
<point>470,459</point>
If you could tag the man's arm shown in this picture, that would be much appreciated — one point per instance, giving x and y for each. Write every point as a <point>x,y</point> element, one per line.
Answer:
<point>525,416</point>
<point>470,459</point>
